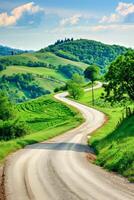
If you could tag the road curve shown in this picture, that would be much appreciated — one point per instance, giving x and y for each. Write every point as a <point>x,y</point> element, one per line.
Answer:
<point>59,170</point>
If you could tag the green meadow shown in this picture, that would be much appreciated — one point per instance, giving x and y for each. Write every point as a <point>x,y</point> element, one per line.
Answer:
<point>46,57</point>
<point>46,118</point>
<point>46,72</point>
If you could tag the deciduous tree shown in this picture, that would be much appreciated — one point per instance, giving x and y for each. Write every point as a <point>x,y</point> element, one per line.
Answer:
<point>120,78</point>
<point>92,73</point>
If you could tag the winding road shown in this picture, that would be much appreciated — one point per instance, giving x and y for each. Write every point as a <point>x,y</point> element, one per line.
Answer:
<point>59,170</point>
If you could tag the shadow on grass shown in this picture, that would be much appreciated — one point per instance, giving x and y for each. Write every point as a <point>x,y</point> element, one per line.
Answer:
<point>23,143</point>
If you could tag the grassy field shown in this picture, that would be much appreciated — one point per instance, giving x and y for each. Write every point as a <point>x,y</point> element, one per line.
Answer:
<point>46,118</point>
<point>46,57</point>
<point>113,144</point>
<point>56,60</point>
<point>46,72</point>
<point>49,84</point>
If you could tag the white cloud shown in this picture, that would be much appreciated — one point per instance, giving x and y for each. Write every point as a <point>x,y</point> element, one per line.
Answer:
<point>125,8</point>
<point>16,14</point>
<point>122,11</point>
<point>71,20</point>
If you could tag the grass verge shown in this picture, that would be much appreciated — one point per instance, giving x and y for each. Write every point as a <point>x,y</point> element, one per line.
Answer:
<point>113,144</point>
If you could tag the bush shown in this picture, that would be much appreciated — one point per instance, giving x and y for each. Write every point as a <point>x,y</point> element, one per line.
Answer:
<point>62,88</point>
<point>75,90</point>
<point>2,67</point>
<point>36,64</point>
<point>12,129</point>
<point>7,109</point>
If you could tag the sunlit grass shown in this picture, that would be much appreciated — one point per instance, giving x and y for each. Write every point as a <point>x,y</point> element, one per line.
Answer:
<point>46,118</point>
<point>113,144</point>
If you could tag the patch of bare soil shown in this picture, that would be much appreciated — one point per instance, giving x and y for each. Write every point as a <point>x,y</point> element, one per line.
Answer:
<point>2,195</point>
<point>91,157</point>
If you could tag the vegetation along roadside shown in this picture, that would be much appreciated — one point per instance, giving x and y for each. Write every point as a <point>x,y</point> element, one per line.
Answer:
<point>36,120</point>
<point>113,142</point>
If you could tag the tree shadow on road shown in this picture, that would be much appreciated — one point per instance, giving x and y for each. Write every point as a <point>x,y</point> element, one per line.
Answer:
<point>61,146</point>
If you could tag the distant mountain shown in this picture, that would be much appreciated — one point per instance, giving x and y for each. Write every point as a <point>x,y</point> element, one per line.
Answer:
<point>88,51</point>
<point>7,51</point>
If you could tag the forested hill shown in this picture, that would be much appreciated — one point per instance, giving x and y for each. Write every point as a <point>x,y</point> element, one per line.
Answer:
<point>7,51</point>
<point>88,51</point>
<point>29,75</point>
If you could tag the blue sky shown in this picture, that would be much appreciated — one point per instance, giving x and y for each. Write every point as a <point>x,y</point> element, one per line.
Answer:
<point>38,23</point>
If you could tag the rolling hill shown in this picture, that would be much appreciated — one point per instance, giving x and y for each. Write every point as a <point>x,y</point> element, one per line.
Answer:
<point>37,59</point>
<point>49,71</point>
<point>87,51</point>
<point>51,67</point>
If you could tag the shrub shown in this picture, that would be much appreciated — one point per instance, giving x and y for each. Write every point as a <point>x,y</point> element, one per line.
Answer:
<point>12,129</point>
<point>2,67</point>
<point>75,90</point>
<point>62,88</point>
<point>7,109</point>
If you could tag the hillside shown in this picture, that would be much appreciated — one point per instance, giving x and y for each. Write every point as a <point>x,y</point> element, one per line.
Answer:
<point>22,87</point>
<point>113,144</point>
<point>7,51</point>
<point>116,149</point>
<point>45,59</point>
<point>87,51</point>
<point>48,70</point>
<point>53,66</point>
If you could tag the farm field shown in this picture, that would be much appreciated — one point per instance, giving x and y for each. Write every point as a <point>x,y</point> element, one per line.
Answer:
<point>46,118</point>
